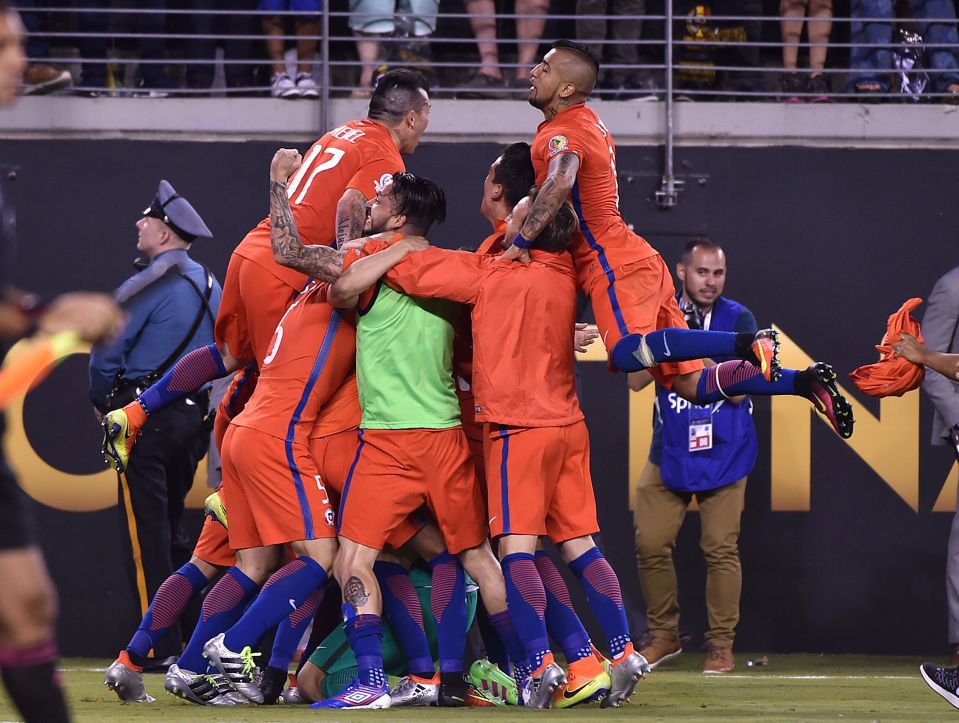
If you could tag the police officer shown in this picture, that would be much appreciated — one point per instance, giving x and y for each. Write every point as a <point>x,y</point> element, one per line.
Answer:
<point>173,302</point>
<point>701,452</point>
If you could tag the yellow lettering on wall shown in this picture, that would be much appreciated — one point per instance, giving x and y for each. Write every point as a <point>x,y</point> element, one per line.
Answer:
<point>946,501</point>
<point>889,444</point>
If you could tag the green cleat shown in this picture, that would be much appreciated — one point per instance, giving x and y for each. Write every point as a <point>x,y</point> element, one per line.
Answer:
<point>214,508</point>
<point>118,439</point>
<point>492,684</point>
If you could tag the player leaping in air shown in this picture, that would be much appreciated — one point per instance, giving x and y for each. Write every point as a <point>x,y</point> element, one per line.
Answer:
<point>626,279</point>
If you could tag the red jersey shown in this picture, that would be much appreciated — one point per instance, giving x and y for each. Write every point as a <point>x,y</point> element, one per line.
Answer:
<point>493,244</point>
<point>309,359</point>
<point>359,154</point>
<point>605,243</point>
<point>523,317</point>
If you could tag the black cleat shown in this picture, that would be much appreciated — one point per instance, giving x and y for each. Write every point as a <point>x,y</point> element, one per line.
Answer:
<point>271,685</point>
<point>453,690</point>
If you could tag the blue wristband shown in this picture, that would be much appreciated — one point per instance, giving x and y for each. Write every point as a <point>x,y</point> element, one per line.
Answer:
<point>522,241</point>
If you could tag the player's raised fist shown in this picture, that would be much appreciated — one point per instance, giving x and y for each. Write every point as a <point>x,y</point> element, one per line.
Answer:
<point>284,164</point>
<point>94,317</point>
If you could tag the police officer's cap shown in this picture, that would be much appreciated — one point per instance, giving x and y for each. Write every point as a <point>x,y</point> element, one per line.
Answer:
<point>177,213</point>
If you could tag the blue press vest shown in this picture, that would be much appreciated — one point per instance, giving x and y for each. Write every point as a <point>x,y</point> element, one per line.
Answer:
<point>734,445</point>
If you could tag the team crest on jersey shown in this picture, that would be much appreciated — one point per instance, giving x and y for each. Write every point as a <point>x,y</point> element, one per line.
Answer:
<point>329,516</point>
<point>385,180</point>
<point>557,144</point>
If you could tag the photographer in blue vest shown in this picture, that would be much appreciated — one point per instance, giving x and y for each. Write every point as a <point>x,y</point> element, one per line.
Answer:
<point>702,452</point>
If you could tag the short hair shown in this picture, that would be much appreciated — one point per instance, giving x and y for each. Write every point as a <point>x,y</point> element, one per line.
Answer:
<point>584,50</point>
<point>515,172</point>
<point>5,6</point>
<point>419,199</point>
<point>556,236</point>
<point>699,242</point>
<point>397,92</point>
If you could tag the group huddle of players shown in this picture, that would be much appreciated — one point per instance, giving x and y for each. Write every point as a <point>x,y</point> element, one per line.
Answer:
<point>404,420</point>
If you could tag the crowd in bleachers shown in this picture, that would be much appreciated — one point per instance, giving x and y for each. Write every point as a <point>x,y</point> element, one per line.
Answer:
<point>789,50</point>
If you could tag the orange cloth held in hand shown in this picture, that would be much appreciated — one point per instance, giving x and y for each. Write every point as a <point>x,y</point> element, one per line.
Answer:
<point>892,375</point>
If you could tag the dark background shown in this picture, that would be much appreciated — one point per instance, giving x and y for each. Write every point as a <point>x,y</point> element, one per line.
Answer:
<point>823,242</point>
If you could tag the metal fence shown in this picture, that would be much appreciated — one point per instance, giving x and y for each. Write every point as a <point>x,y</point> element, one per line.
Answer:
<point>684,53</point>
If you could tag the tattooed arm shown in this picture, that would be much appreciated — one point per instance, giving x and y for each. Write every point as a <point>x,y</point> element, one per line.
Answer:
<point>321,262</point>
<point>559,182</point>
<point>350,216</point>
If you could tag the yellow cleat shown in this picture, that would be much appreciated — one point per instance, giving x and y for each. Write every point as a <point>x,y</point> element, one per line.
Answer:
<point>586,680</point>
<point>118,439</point>
<point>214,508</point>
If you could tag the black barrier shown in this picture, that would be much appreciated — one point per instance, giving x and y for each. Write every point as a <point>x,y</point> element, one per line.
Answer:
<point>841,548</point>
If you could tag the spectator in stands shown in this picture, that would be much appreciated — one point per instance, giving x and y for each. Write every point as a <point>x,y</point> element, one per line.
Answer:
<point>39,77</point>
<point>872,66</point>
<point>488,82</point>
<point>622,29</point>
<point>238,23</point>
<point>300,85</point>
<point>792,13</point>
<point>371,20</point>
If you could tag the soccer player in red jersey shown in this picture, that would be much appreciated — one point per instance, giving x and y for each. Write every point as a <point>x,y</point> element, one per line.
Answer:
<point>626,279</point>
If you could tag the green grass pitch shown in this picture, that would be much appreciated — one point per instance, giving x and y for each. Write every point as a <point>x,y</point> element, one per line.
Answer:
<point>790,688</point>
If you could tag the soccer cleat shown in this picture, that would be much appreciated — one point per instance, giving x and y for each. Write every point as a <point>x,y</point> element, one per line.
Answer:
<point>271,684</point>
<point>765,348</point>
<point>118,439</point>
<point>539,689</point>
<point>214,508</point>
<point>624,676</point>
<point>453,690</point>
<point>492,684</point>
<point>199,688</point>
<point>127,683</point>
<point>945,681</point>
<point>827,399</point>
<point>586,680</point>
<point>413,690</point>
<point>292,696</point>
<point>237,668</point>
<point>357,696</point>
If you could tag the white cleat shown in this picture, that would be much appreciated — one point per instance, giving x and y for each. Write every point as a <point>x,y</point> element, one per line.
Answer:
<point>127,684</point>
<point>410,691</point>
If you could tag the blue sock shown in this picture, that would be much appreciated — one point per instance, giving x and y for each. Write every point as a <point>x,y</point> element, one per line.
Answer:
<point>605,598</point>
<point>402,609</point>
<point>365,633</point>
<point>222,607</point>
<point>732,378</point>
<point>496,651</point>
<point>527,605</point>
<point>635,352</point>
<point>503,624</point>
<point>562,622</point>
<point>295,581</point>
<point>448,599</point>
<point>187,376</point>
<point>290,631</point>
<point>165,609</point>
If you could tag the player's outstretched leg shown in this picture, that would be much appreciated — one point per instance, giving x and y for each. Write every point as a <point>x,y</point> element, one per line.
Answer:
<point>945,681</point>
<point>448,600</point>
<point>288,635</point>
<point>587,679</point>
<point>635,352</point>
<point>817,383</point>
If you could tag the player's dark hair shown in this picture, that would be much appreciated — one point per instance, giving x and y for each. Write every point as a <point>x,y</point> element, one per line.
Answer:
<point>556,236</point>
<point>699,242</point>
<point>397,92</point>
<point>5,6</point>
<point>584,50</point>
<point>420,200</point>
<point>515,172</point>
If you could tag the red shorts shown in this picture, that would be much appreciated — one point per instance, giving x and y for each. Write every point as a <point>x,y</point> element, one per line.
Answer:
<point>272,498</point>
<point>396,471</point>
<point>539,483</point>
<point>640,298</point>
<point>213,545</point>
<point>234,399</point>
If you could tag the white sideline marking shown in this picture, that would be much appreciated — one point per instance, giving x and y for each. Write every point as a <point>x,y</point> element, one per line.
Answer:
<point>815,677</point>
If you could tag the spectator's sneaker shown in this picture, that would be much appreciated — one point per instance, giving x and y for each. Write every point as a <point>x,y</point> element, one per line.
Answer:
<point>118,439</point>
<point>284,86</point>
<point>492,684</point>
<point>827,399</point>
<point>792,86</point>
<point>819,88</point>
<point>658,650</point>
<point>624,677</point>
<point>413,690</point>
<point>43,79</point>
<point>539,689</point>
<point>306,86</point>
<point>271,684</point>
<point>214,508</point>
<point>945,681</point>
<point>719,660</point>
<point>765,348</point>
<point>357,696</point>
<point>237,668</point>
<point>198,688</point>
<point>482,85</point>
<point>126,682</point>
<point>586,680</point>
